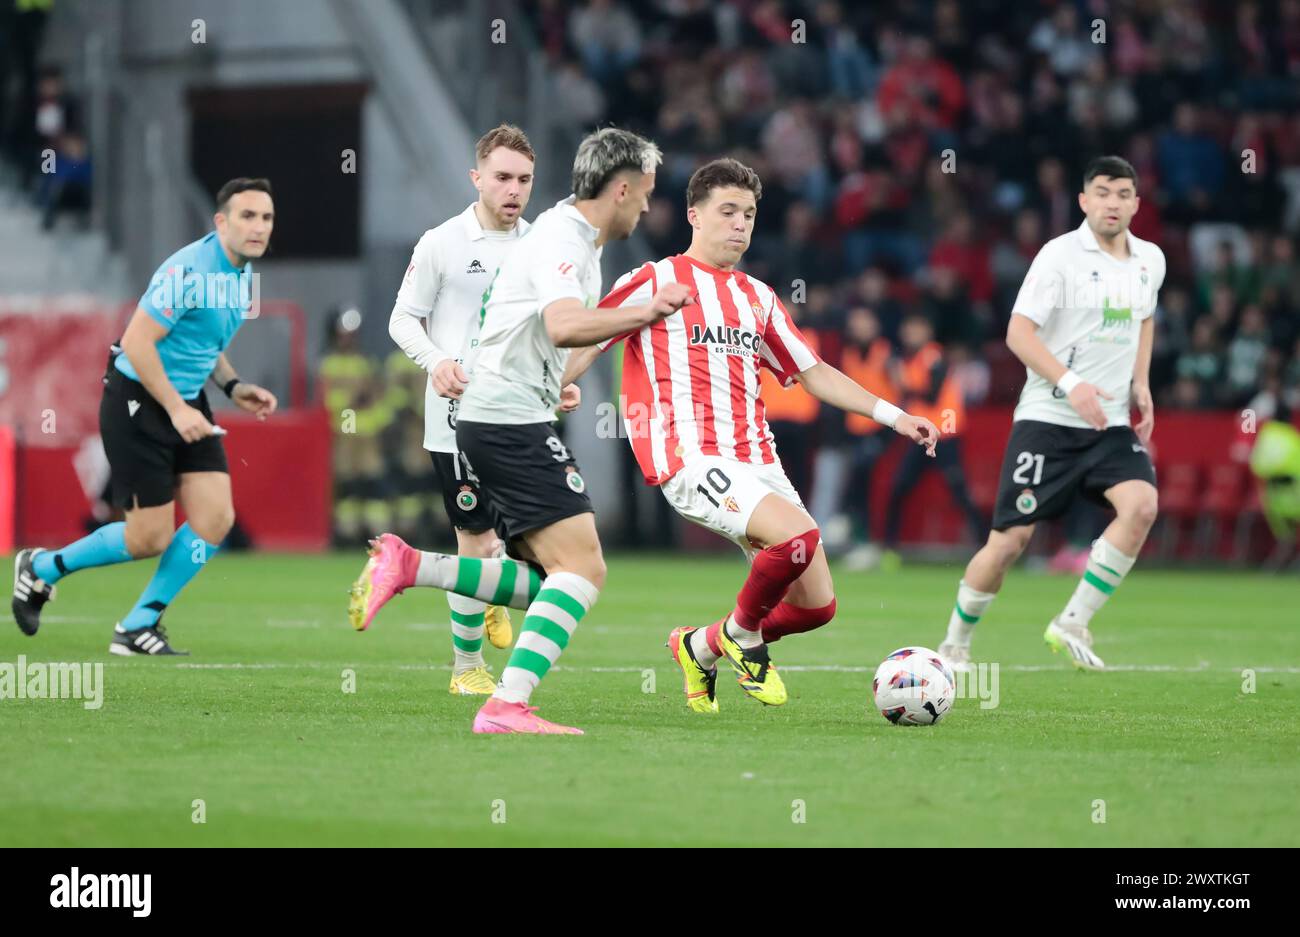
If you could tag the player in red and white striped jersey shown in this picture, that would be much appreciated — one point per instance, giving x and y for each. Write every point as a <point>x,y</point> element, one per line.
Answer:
<point>694,416</point>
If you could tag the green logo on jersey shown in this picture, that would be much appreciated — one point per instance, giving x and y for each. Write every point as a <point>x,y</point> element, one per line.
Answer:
<point>487,294</point>
<point>1115,318</point>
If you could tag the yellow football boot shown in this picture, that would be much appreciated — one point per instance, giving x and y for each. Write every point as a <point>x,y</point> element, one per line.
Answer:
<point>754,669</point>
<point>476,682</point>
<point>496,621</point>
<point>700,683</point>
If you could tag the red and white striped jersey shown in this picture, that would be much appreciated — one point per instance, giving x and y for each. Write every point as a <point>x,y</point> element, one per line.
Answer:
<point>691,381</point>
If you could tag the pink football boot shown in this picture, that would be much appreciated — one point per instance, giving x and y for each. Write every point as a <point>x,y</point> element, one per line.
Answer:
<point>391,568</point>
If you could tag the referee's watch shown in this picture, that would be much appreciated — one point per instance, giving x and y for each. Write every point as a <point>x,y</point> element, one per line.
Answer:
<point>229,387</point>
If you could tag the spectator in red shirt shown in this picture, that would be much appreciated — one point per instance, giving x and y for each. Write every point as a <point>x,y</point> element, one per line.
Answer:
<point>968,257</point>
<point>931,88</point>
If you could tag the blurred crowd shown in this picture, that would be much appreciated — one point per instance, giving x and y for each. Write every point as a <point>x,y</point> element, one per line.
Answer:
<point>383,478</point>
<point>915,156</point>
<point>43,146</point>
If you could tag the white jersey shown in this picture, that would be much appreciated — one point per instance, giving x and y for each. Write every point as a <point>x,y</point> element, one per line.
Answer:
<point>516,369</point>
<point>450,270</point>
<point>1089,307</point>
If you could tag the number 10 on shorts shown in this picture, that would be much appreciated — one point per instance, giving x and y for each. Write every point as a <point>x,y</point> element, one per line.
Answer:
<point>720,483</point>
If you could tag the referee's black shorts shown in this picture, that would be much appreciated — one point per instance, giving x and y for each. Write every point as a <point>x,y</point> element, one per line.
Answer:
<point>145,453</point>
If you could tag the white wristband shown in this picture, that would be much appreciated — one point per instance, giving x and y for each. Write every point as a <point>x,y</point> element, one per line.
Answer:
<point>885,412</point>
<point>1068,382</point>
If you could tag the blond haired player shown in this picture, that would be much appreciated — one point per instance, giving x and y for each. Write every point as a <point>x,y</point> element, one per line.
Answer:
<point>538,308</point>
<point>435,320</point>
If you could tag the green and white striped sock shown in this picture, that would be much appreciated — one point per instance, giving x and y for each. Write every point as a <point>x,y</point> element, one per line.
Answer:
<point>970,608</point>
<point>466,631</point>
<point>1106,569</point>
<point>551,620</point>
<point>496,581</point>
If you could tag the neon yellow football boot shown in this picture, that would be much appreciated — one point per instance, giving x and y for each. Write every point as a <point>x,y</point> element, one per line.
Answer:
<point>754,669</point>
<point>476,682</point>
<point>700,683</point>
<point>496,621</point>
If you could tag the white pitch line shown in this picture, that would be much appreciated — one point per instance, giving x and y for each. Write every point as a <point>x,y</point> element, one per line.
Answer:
<point>1203,667</point>
<point>246,666</point>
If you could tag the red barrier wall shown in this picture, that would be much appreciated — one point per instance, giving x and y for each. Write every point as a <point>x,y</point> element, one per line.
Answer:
<point>282,477</point>
<point>280,472</point>
<point>8,487</point>
<point>1197,438</point>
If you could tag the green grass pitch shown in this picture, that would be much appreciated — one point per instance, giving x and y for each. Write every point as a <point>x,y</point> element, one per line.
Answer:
<point>256,724</point>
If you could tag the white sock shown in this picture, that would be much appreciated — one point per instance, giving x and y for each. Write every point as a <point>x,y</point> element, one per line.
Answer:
<point>1106,569</point>
<point>966,613</point>
<point>742,636</point>
<point>548,625</point>
<point>704,655</point>
<point>466,632</point>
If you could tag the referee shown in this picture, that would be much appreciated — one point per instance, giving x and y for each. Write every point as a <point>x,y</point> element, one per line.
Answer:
<point>157,426</point>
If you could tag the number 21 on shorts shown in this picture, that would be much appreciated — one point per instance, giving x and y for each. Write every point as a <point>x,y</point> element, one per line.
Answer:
<point>1024,462</point>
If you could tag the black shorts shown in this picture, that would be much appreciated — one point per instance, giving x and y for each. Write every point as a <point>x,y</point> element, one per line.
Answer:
<point>528,474</point>
<point>1046,465</point>
<point>462,495</point>
<point>145,453</point>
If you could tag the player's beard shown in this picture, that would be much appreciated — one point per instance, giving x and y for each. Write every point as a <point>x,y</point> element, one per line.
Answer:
<point>503,219</point>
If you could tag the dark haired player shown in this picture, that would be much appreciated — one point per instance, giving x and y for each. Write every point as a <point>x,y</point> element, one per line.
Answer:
<point>1082,324</point>
<point>695,420</point>
<point>157,426</point>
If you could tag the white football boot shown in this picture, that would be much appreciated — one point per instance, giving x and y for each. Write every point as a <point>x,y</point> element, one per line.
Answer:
<point>1075,641</point>
<point>957,656</point>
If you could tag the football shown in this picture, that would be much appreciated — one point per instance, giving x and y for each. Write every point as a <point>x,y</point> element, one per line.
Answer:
<point>913,687</point>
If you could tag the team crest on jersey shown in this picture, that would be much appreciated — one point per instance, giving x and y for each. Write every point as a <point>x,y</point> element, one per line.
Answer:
<point>466,500</point>
<point>574,480</point>
<point>730,504</point>
<point>726,339</point>
<point>1027,503</point>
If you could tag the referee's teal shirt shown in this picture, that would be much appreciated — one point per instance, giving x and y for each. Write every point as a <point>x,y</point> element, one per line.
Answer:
<point>201,298</point>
